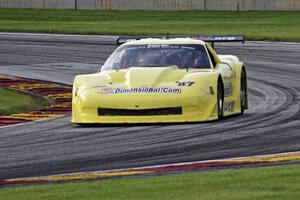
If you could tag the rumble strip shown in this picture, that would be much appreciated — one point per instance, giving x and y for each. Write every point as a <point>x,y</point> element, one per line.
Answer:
<point>58,95</point>
<point>223,163</point>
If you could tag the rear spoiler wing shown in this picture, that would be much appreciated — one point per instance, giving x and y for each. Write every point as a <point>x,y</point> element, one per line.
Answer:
<point>210,39</point>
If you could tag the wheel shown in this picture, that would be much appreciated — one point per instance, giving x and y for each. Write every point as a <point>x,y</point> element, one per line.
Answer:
<point>220,101</point>
<point>243,92</point>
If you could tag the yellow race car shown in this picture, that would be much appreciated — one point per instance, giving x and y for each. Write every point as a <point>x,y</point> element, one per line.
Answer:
<point>158,80</point>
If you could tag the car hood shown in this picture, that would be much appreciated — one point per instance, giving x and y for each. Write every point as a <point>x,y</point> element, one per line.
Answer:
<point>137,77</point>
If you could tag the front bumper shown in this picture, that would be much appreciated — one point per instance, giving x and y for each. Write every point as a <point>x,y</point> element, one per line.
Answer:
<point>193,109</point>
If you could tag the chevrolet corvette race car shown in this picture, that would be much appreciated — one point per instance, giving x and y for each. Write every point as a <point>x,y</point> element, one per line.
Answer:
<point>162,80</point>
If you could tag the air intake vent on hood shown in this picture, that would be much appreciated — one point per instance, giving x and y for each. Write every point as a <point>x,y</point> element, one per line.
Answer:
<point>140,112</point>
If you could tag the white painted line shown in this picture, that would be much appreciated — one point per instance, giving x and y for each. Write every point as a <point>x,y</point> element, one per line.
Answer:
<point>272,42</point>
<point>16,125</point>
<point>198,162</point>
<point>57,35</point>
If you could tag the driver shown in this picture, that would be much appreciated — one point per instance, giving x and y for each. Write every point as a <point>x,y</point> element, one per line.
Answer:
<point>199,62</point>
<point>195,60</point>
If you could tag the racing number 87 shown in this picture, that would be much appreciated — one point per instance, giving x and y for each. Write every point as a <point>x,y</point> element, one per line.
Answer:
<point>181,84</point>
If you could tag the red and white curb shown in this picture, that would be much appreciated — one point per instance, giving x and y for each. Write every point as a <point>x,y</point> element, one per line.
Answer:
<point>232,162</point>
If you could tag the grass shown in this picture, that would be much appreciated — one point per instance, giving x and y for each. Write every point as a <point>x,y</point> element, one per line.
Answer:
<point>265,183</point>
<point>12,102</point>
<point>276,26</point>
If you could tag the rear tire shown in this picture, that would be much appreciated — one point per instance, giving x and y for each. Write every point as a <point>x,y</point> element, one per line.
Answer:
<point>220,101</point>
<point>243,90</point>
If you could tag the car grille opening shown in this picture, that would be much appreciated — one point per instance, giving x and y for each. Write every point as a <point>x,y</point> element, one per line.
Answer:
<point>139,112</point>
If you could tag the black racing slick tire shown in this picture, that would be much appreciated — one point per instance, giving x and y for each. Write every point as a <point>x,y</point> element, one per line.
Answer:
<point>220,100</point>
<point>243,92</point>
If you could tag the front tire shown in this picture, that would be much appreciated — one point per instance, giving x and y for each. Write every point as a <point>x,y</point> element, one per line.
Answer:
<point>220,101</point>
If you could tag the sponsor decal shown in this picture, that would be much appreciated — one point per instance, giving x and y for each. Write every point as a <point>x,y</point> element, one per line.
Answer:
<point>211,89</point>
<point>229,107</point>
<point>140,90</point>
<point>228,90</point>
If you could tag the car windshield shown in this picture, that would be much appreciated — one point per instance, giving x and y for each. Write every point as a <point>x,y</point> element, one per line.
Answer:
<point>156,55</point>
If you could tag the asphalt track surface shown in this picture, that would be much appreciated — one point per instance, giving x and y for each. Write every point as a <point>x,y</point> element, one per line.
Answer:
<point>272,125</point>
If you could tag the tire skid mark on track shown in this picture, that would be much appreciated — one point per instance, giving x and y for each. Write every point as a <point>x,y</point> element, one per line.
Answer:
<point>281,106</point>
<point>57,94</point>
<point>178,167</point>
